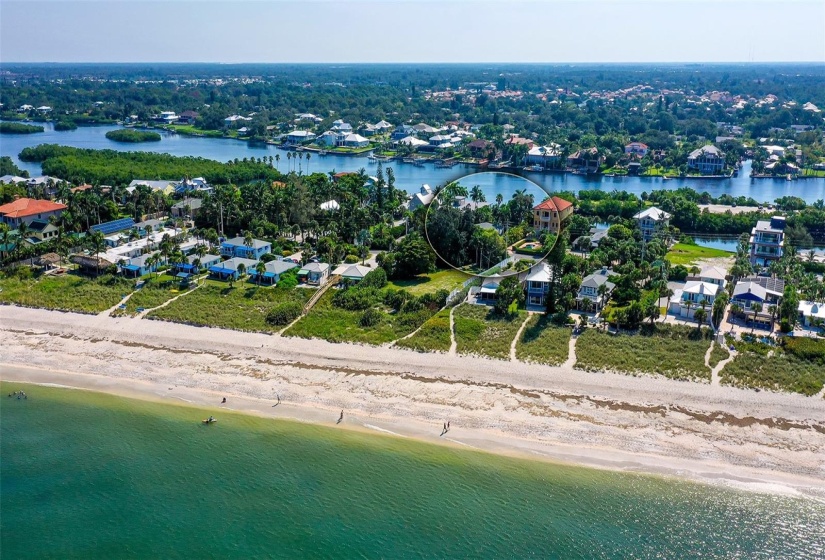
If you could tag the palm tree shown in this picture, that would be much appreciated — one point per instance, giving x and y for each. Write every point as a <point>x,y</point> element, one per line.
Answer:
<point>602,291</point>
<point>277,160</point>
<point>700,317</point>
<point>241,271</point>
<point>260,268</point>
<point>688,304</point>
<point>756,308</point>
<point>309,155</point>
<point>289,160</point>
<point>248,240</point>
<point>772,309</point>
<point>476,194</point>
<point>96,244</point>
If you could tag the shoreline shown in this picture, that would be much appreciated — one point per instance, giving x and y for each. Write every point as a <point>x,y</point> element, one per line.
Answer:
<point>417,431</point>
<point>755,441</point>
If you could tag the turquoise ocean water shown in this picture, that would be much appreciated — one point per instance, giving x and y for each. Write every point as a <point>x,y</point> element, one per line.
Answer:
<point>86,475</point>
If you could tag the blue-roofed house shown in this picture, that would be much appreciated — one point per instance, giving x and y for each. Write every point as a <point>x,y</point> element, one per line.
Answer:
<point>236,247</point>
<point>140,265</point>
<point>189,266</point>
<point>272,274</point>
<point>229,268</point>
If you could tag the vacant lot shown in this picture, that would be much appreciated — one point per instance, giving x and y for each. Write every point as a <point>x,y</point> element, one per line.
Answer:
<point>480,331</point>
<point>335,324</point>
<point>441,280</point>
<point>68,292</point>
<point>673,351</point>
<point>243,307</point>
<point>542,342</point>
<point>684,254</point>
<point>434,335</point>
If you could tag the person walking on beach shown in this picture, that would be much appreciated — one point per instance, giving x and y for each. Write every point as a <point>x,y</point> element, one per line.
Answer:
<point>340,417</point>
<point>223,401</point>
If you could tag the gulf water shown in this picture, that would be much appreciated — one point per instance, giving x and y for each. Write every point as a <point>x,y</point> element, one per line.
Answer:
<point>86,475</point>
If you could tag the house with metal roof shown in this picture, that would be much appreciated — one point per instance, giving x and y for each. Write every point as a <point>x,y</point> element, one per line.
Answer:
<point>758,290</point>
<point>708,160</point>
<point>314,273</point>
<point>230,268</point>
<point>353,272</point>
<point>696,294</point>
<point>273,272</point>
<point>591,289</point>
<point>537,283</point>
<point>236,247</point>
<point>652,221</point>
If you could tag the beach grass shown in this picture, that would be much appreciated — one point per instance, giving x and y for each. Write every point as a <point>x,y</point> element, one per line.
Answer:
<point>482,332</point>
<point>685,254</point>
<point>542,342</point>
<point>335,324</point>
<point>673,351</point>
<point>432,282</point>
<point>69,292</point>
<point>243,307</point>
<point>717,354</point>
<point>434,335</point>
<point>152,295</point>
<point>798,367</point>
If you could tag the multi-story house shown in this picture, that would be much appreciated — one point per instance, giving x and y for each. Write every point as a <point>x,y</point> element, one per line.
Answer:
<point>708,160</point>
<point>237,247</point>
<point>767,241</point>
<point>27,210</point>
<point>549,215</point>
<point>695,295</point>
<point>637,149</point>
<point>652,221</point>
<point>537,284</point>
<point>758,289</point>
<point>591,289</point>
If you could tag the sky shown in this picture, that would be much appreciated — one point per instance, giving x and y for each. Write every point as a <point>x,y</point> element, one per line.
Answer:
<point>412,31</point>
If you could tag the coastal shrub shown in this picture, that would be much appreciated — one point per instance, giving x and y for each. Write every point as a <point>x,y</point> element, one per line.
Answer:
<point>717,354</point>
<point>375,279</point>
<point>778,372</point>
<point>351,259</point>
<point>289,279</point>
<point>481,331</point>
<point>132,136</point>
<point>370,317</point>
<point>806,349</point>
<point>284,313</point>
<point>357,298</point>
<point>68,292</point>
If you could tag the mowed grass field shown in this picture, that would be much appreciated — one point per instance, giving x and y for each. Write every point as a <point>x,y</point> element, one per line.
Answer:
<point>68,292</point>
<point>441,280</point>
<point>686,255</point>
<point>480,331</point>
<point>672,351</point>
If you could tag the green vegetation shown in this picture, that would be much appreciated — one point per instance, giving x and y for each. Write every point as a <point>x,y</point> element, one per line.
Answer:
<point>65,125</point>
<point>717,354</point>
<point>337,324</point>
<point>119,168</point>
<point>798,366</point>
<point>69,292</point>
<point>19,128</point>
<point>284,313</point>
<point>543,342</point>
<point>442,280</point>
<point>132,136</point>
<point>433,336</point>
<point>242,308</point>
<point>8,167</point>
<point>480,331</point>
<point>685,254</point>
<point>673,351</point>
<point>153,293</point>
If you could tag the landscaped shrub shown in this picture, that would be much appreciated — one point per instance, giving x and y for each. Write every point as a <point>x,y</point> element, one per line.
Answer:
<point>370,318</point>
<point>375,279</point>
<point>284,313</point>
<point>289,279</point>
<point>806,349</point>
<point>351,259</point>
<point>356,299</point>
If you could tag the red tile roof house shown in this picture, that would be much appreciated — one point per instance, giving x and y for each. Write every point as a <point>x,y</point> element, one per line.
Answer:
<point>28,210</point>
<point>549,215</point>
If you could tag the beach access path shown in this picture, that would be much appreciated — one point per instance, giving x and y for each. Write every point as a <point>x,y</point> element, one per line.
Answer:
<point>643,423</point>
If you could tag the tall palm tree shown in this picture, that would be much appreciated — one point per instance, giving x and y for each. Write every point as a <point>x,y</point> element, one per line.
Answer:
<point>772,309</point>
<point>700,317</point>
<point>289,161</point>
<point>309,155</point>
<point>277,160</point>
<point>260,268</point>
<point>248,240</point>
<point>242,271</point>
<point>756,308</point>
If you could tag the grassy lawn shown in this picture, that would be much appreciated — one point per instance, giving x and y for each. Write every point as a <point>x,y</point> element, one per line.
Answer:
<point>813,172</point>
<point>443,279</point>
<point>799,367</point>
<point>69,292</point>
<point>684,254</point>
<point>717,354</point>
<point>542,342</point>
<point>335,324</point>
<point>434,335</point>
<point>478,330</point>
<point>242,308</point>
<point>673,351</point>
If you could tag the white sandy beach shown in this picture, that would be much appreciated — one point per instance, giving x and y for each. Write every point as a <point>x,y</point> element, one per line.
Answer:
<point>760,440</point>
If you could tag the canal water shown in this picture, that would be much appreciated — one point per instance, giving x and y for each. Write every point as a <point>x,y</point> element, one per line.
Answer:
<point>408,177</point>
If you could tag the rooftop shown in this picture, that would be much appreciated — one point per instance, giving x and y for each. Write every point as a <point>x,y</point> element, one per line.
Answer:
<point>23,207</point>
<point>554,204</point>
